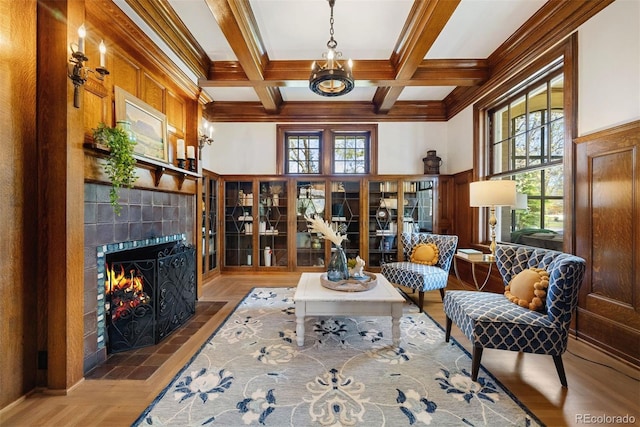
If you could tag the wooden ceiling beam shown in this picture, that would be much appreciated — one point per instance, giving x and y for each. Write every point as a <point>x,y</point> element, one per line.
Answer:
<point>237,22</point>
<point>331,111</point>
<point>441,72</point>
<point>424,23</point>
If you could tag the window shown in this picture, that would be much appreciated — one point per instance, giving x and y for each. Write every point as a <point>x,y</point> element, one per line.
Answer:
<point>303,153</point>
<point>337,149</point>
<point>350,153</point>
<point>526,143</point>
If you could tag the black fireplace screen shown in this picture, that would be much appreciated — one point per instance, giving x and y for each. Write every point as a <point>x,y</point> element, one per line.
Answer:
<point>150,292</point>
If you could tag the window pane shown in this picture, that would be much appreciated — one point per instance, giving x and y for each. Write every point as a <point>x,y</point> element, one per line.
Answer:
<point>554,215</point>
<point>538,99</point>
<point>557,95</point>
<point>536,139</point>
<point>554,181</point>
<point>501,157</point>
<point>303,154</point>
<point>557,137</point>
<point>517,110</point>
<point>500,120</point>
<point>350,154</point>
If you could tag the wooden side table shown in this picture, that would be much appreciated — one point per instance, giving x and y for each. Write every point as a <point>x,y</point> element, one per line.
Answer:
<point>487,259</point>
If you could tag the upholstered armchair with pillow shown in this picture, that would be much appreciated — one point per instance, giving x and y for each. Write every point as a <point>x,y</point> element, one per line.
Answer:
<point>427,262</point>
<point>534,313</point>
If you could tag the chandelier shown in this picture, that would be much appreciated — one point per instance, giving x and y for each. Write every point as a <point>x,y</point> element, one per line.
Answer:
<point>331,78</point>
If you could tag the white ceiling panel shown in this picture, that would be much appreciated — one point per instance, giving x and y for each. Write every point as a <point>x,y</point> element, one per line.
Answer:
<point>299,29</point>
<point>197,16</point>
<point>227,94</point>
<point>420,93</point>
<point>478,27</point>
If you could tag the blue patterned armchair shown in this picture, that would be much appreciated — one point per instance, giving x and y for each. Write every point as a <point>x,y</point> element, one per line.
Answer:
<point>490,320</point>
<point>418,276</point>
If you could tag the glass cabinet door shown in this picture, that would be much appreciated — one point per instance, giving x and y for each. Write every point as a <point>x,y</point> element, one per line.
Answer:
<point>272,223</point>
<point>239,223</point>
<point>345,214</point>
<point>310,201</point>
<point>209,222</point>
<point>383,222</point>
<point>418,206</point>
<point>211,226</point>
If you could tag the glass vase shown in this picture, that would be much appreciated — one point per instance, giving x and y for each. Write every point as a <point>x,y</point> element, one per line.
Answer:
<point>338,269</point>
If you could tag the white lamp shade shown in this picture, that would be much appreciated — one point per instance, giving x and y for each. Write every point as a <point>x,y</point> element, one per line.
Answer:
<point>492,193</point>
<point>521,202</point>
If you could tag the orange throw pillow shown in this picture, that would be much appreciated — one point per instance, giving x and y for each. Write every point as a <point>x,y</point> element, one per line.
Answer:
<point>425,253</point>
<point>528,289</point>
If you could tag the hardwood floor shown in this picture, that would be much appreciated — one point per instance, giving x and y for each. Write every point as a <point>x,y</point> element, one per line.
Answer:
<point>599,385</point>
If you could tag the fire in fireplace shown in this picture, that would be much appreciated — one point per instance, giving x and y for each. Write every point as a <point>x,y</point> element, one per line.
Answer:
<point>149,292</point>
<point>125,292</point>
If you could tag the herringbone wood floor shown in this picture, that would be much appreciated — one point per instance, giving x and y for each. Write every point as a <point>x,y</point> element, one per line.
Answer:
<point>594,389</point>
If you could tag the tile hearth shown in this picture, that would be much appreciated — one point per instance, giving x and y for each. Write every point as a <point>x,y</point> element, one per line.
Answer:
<point>142,363</point>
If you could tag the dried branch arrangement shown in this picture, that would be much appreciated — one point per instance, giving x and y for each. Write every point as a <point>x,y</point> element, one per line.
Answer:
<point>318,225</point>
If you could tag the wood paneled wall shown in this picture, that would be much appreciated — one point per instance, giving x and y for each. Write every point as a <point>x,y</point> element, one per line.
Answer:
<point>608,238</point>
<point>43,172</point>
<point>18,210</point>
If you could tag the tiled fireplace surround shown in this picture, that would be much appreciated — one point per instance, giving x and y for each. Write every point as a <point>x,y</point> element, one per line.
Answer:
<point>147,218</point>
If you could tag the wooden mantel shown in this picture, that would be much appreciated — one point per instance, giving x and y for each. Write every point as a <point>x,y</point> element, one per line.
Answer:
<point>151,174</point>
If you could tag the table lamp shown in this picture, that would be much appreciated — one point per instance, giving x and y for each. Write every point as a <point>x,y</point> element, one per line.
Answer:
<point>492,194</point>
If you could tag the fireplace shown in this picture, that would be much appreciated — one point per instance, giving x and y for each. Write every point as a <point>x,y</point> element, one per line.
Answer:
<point>149,292</point>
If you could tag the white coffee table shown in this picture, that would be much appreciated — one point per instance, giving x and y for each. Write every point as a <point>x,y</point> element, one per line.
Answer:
<point>313,299</point>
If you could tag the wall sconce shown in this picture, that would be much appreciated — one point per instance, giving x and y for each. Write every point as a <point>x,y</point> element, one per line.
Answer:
<point>492,194</point>
<point>78,73</point>
<point>203,138</point>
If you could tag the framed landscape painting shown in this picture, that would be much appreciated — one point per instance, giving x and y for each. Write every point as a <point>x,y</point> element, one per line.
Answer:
<point>148,124</point>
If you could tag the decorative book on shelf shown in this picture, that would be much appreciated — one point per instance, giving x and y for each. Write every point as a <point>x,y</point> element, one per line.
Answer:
<point>471,254</point>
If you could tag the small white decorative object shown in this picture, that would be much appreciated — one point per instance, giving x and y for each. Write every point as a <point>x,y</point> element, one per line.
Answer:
<point>358,270</point>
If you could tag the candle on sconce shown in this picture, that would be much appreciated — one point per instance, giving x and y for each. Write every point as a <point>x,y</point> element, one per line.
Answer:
<point>180,149</point>
<point>82,33</point>
<point>103,51</point>
<point>191,152</point>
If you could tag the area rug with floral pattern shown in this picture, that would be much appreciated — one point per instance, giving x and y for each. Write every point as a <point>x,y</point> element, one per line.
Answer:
<point>348,373</point>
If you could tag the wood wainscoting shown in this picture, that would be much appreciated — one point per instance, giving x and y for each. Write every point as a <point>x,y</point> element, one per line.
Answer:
<point>608,237</point>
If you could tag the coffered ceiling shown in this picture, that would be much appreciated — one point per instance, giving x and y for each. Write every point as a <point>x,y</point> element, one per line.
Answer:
<point>413,59</point>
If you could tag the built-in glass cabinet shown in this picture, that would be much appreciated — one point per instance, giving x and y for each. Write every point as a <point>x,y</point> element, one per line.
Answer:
<point>265,226</point>
<point>209,222</point>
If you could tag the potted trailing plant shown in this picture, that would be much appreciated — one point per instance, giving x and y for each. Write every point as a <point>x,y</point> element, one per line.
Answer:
<point>120,166</point>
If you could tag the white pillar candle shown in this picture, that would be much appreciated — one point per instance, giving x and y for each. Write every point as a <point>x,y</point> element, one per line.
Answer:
<point>180,149</point>
<point>191,152</point>
<point>82,33</point>
<point>103,51</point>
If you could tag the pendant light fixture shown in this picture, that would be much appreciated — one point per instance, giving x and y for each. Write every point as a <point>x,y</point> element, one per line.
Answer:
<point>331,78</point>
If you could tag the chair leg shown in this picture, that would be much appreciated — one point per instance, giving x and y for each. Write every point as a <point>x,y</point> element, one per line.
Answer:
<point>475,362</point>
<point>442,293</point>
<point>421,300</point>
<point>447,333</point>
<point>560,368</point>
